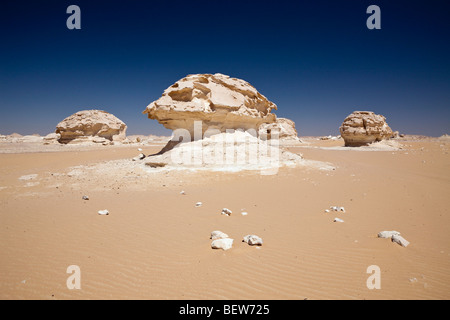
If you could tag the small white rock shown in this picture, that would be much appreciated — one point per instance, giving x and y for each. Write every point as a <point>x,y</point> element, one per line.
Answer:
<point>218,235</point>
<point>139,149</point>
<point>103,212</point>
<point>223,244</point>
<point>226,211</point>
<point>338,209</point>
<point>139,157</point>
<point>183,193</point>
<point>338,220</point>
<point>198,204</point>
<point>400,240</point>
<point>327,210</point>
<point>388,234</point>
<point>253,240</point>
<point>85,198</point>
<point>244,213</point>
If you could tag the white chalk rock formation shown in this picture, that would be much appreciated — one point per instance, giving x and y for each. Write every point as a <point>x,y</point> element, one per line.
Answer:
<point>51,138</point>
<point>253,240</point>
<point>218,235</point>
<point>91,126</point>
<point>223,244</point>
<point>226,152</point>
<point>363,128</point>
<point>219,101</point>
<point>282,128</point>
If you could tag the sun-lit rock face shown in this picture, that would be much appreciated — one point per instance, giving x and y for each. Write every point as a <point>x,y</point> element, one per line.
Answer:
<point>283,129</point>
<point>219,101</point>
<point>91,126</point>
<point>364,127</point>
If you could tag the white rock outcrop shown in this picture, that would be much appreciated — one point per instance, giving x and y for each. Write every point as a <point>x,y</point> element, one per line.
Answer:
<point>282,128</point>
<point>226,152</point>
<point>91,126</point>
<point>219,101</point>
<point>51,138</point>
<point>364,127</point>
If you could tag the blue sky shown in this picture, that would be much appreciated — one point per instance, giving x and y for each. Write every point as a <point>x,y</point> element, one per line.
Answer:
<point>315,59</point>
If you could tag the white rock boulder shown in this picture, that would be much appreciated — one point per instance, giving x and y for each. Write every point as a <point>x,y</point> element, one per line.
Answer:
<point>224,244</point>
<point>282,128</point>
<point>253,240</point>
<point>218,235</point>
<point>364,127</point>
<point>91,126</point>
<point>388,234</point>
<point>219,101</point>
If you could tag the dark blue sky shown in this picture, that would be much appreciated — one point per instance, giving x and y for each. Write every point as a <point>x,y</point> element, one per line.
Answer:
<point>315,59</point>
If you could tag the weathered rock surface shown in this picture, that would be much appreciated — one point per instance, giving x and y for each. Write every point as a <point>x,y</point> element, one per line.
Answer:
<point>219,101</point>
<point>226,152</point>
<point>253,240</point>
<point>223,244</point>
<point>400,240</point>
<point>218,235</point>
<point>91,126</point>
<point>364,127</point>
<point>51,138</point>
<point>388,234</point>
<point>283,129</point>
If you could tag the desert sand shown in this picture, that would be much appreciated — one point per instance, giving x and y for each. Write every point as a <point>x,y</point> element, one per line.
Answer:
<point>155,243</point>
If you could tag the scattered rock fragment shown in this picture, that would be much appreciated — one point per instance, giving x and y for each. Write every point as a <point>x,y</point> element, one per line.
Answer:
<point>198,204</point>
<point>335,208</point>
<point>253,240</point>
<point>85,198</point>
<point>226,212</point>
<point>400,240</point>
<point>103,212</point>
<point>139,157</point>
<point>223,244</point>
<point>338,220</point>
<point>218,235</point>
<point>388,234</point>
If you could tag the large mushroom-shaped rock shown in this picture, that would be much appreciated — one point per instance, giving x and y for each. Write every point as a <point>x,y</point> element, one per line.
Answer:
<point>91,125</point>
<point>219,101</point>
<point>283,129</point>
<point>364,127</point>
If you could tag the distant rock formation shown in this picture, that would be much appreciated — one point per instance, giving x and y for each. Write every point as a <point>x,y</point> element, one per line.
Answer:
<point>219,101</point>
<point>91,126</point>
<point>283,128</point>
<point>364,127</point>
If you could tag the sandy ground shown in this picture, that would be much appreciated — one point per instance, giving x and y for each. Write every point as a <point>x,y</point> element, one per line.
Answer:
<point>155,243</point>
